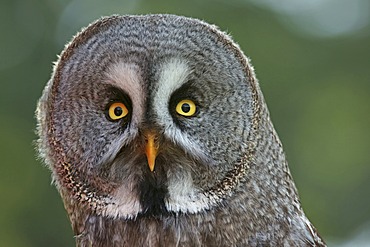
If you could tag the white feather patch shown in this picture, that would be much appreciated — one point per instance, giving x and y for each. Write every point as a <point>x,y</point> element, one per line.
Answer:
<point>126,204</point>
<point>127,76</point>
<point>172,75</point>
<point>184,197</point>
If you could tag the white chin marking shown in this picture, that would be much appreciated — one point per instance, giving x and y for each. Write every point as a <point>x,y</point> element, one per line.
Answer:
<point>131,208</point>
<point>186,199</point>
<point>183,197</point>
<point>191,204</point>
<point>124,204</point>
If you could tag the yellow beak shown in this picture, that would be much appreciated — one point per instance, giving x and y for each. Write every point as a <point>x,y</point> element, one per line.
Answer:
<point>151,150</point>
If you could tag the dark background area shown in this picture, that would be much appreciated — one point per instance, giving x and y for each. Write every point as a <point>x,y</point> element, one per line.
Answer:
<point>312,59</point>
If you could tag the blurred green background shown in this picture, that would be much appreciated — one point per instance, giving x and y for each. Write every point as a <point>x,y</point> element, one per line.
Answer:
<point>313,62</point>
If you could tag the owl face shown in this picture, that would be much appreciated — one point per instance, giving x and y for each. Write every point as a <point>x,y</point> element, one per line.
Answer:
<point>148,116</point>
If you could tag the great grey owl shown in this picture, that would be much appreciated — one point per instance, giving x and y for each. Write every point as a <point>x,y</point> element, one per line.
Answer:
<point>157,134</point>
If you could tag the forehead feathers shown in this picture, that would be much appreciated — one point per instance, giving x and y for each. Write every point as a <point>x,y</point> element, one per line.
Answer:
<point>146,40</point>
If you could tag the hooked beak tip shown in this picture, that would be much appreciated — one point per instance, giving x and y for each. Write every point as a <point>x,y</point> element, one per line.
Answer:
<point>151,151</point>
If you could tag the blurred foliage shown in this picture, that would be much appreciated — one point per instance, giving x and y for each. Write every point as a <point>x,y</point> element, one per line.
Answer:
<point>317,90</point>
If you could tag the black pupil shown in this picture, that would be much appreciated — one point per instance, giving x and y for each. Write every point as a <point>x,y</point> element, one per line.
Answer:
<point>118,111</point>
<point>185,107</point>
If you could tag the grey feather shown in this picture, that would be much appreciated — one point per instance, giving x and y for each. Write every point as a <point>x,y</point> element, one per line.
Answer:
<point>221,177</point>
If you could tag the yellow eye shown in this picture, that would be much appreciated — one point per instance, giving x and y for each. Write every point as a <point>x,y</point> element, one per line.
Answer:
<point>117,111</point>
<point>186,108</point>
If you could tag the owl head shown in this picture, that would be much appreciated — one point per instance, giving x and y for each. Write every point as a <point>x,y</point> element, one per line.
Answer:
<point>150,115</point>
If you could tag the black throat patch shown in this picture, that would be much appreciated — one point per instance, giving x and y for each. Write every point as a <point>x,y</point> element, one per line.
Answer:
<point>153,191</point>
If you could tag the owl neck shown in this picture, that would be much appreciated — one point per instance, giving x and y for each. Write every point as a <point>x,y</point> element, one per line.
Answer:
<point>269,185</point>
